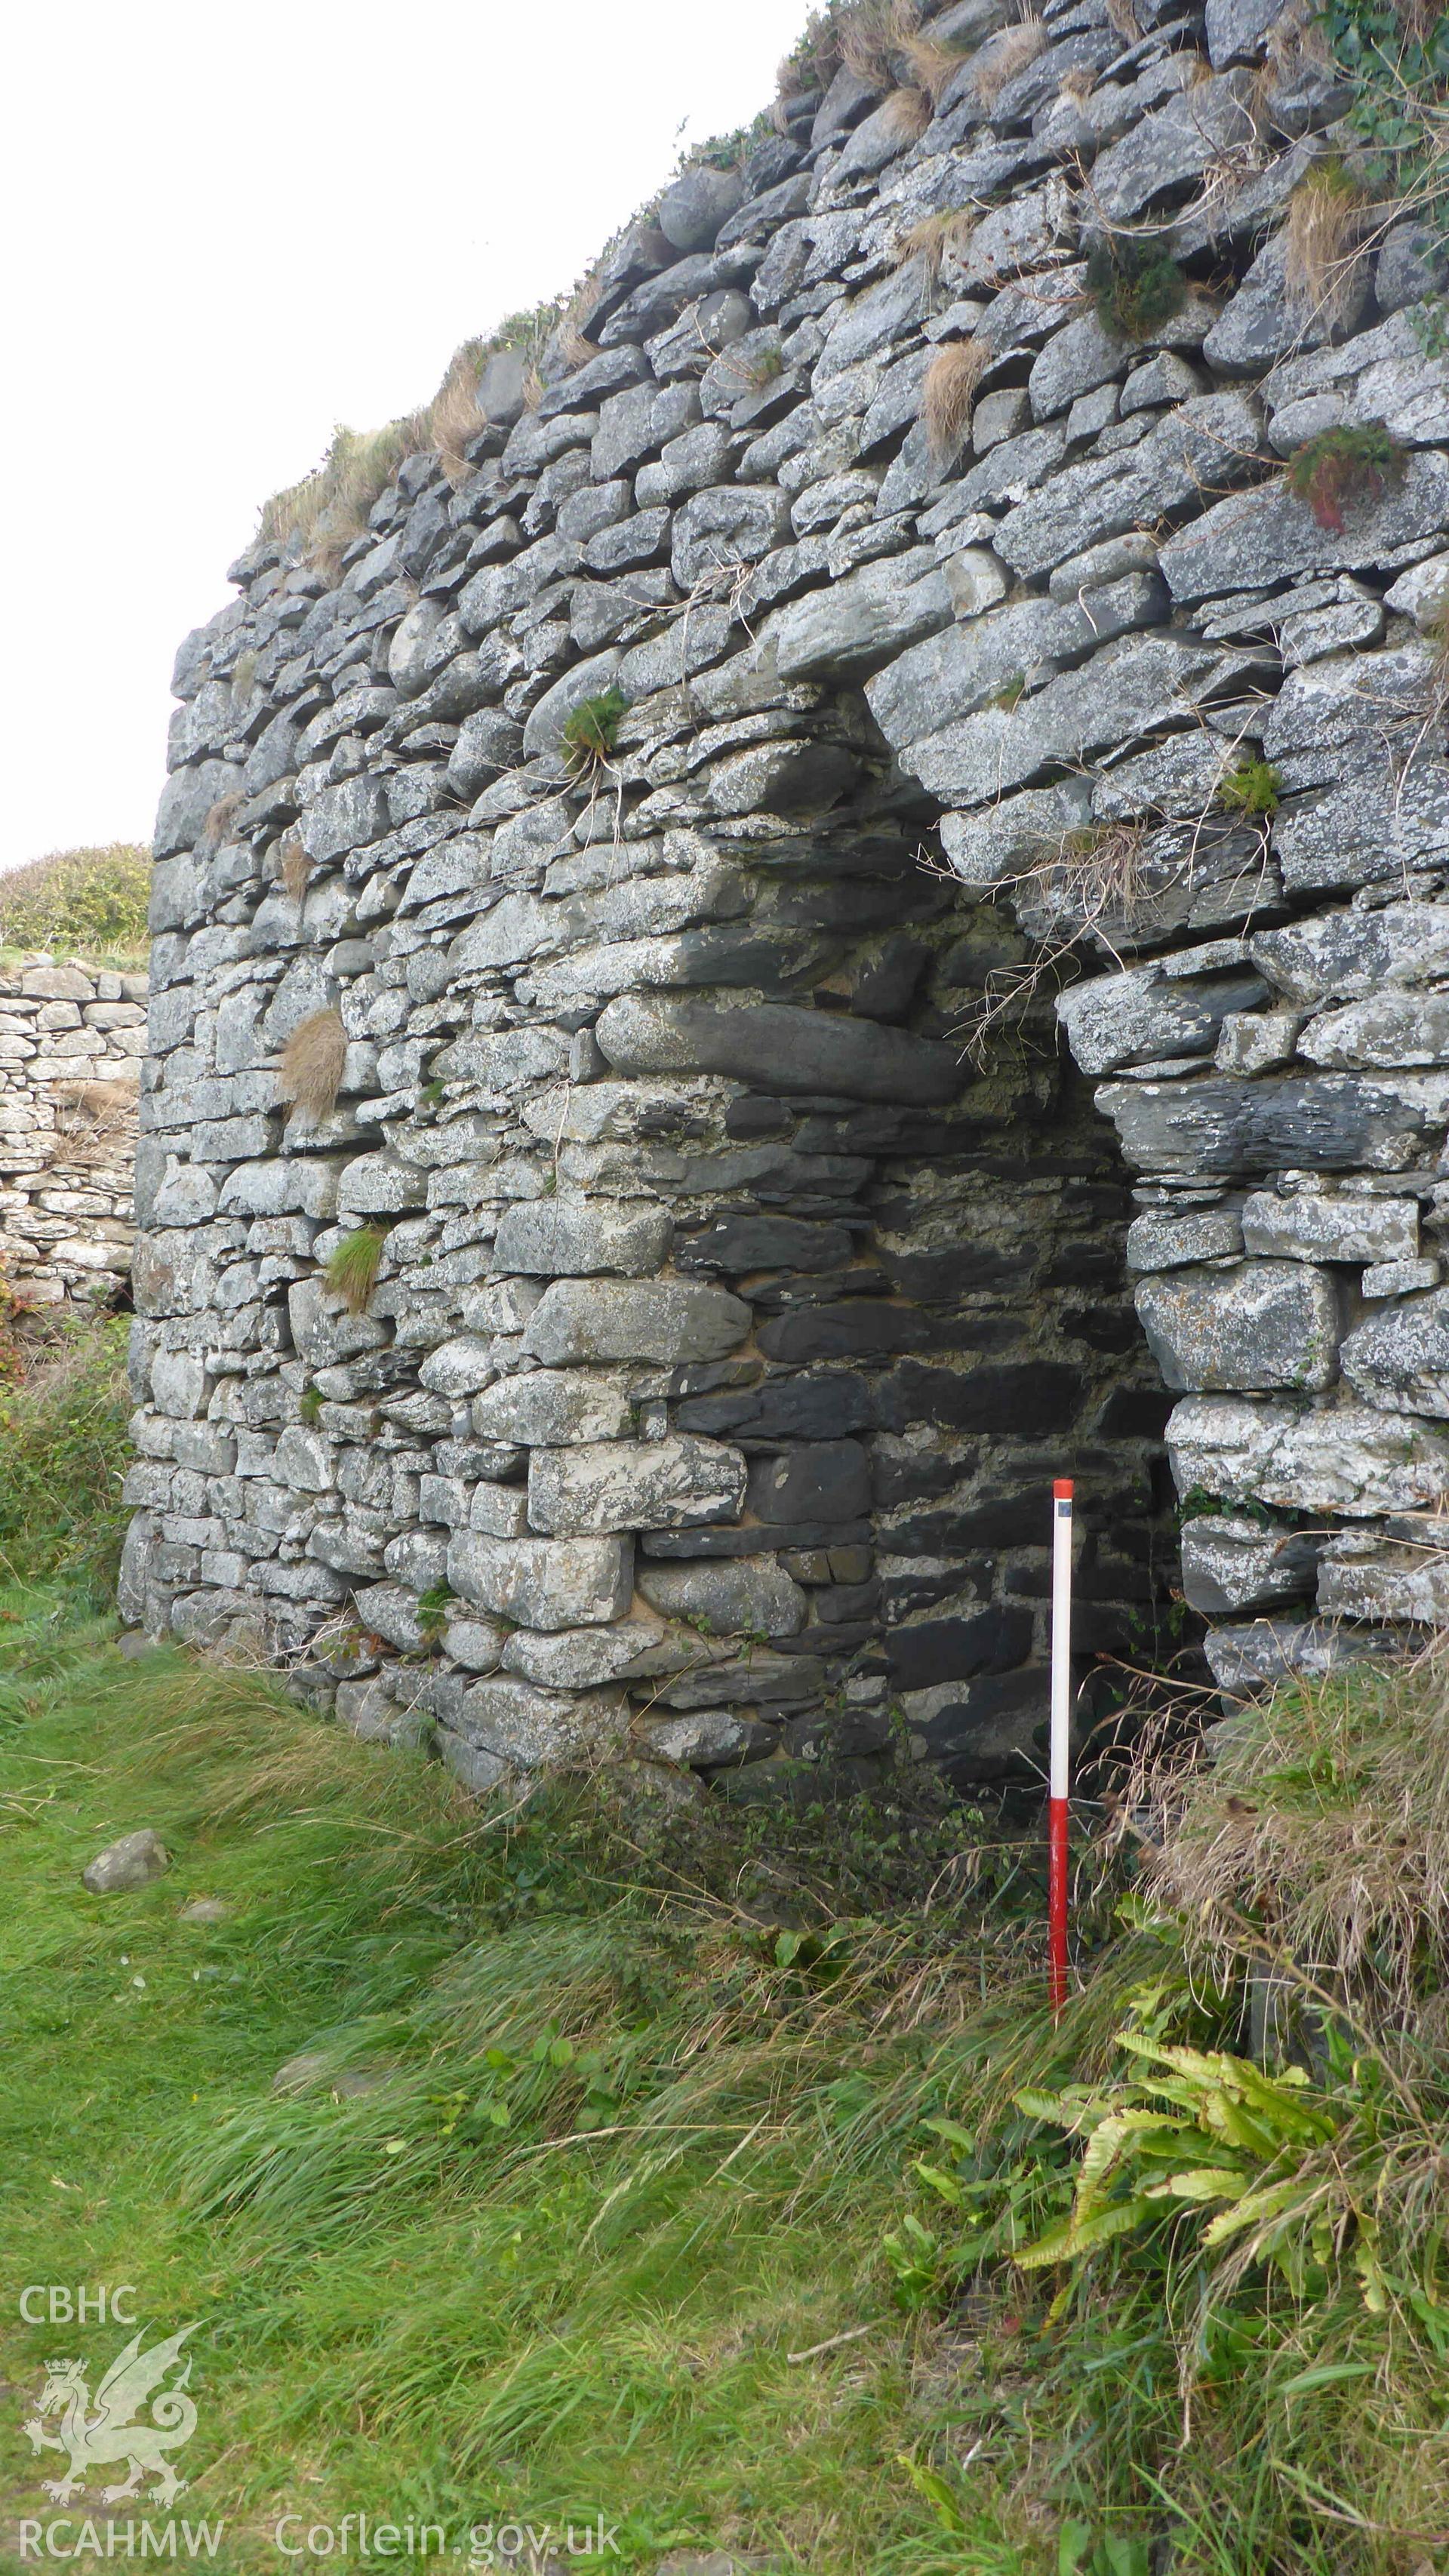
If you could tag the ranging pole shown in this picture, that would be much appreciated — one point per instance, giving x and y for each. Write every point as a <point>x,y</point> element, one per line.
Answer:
<point>1060,1736</point>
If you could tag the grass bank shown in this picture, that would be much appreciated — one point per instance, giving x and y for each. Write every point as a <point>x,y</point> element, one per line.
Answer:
<point>536,2165</point>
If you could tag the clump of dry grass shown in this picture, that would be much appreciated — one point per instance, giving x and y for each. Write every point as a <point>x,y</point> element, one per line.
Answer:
<point>294,868</point>
<point>313,1062</point>
<point>1006,54</point>
<point>219,822</point>
<point>1077,85</point>
<point>1322,238</point>
<point>873,35</point>
<point>1092,874</point>
<point>907,112</point>
<point>948,230</point>
<point>948,395</point>
<point>1324,1815</point>
<point>1123,17</point>
<point>932,65</point>
<point>454,416</point>
<point>328,510</point>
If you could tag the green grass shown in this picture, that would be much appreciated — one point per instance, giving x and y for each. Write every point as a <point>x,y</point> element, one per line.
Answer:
<point>352,1266</point>
<point>603,2113</point>
<point>89,902</point>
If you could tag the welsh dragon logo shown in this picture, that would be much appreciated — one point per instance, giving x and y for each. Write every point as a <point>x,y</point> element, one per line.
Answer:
<point>92,2440</point>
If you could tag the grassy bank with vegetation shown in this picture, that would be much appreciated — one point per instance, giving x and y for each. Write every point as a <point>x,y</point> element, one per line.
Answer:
<point>88,903</point>
<point>547,2161</point>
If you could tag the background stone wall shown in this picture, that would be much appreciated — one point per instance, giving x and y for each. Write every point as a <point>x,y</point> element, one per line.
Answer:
<point>731,1319</point>
<point>71,1040</point>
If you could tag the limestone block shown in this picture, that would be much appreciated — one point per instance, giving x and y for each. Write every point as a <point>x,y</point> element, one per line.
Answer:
<point>1310,1227</point>
<point>1230,1565</point>
<point>543,1583</point>
<point>389,1610</point>
<point>1376,1578</point>
<point>460,1367</point>
<point>1145,1014</point>
<point>746,1593</point>
<point>557,1238</point>
<point>626,1320</point>
<point>498,1511</point>
<point>1248,1659</point>
<point>1346,1458</point>
<point>1399,1359</point>
<point>1163,1242</point>
<point>581,1658</point>
<point>532,1730</point>
<point>550,1405</point>
<point>1259,1324</point>
<point>708,1738</point>
<point>674,1483</point>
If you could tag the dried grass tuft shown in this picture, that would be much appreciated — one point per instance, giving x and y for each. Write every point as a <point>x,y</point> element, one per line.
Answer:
<point>313,1062</point>
<point>1322,239</point>
<point>1077,85</point>
<point>219,821</point>
<point>1123,17</point>
<point>1325,1814</point>
<point>454,416</point>
<point>872,37</point>
<point>948,396</point>
<point>949,230</point>
<point>294,867</point>
<point>932,65</point>
<point>907,112</point>
<point>1004,56</point>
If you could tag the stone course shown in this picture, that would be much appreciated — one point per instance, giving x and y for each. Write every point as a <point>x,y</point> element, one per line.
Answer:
<point>72,1037</point>
<point>730,1319</point>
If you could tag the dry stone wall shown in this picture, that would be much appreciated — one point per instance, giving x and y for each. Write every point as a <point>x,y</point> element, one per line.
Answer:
<point>730,1319</point>
<point>71,1040</point>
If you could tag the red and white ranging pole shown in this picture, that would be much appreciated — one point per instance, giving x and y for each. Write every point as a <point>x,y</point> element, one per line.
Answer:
<point>1060,1775</point>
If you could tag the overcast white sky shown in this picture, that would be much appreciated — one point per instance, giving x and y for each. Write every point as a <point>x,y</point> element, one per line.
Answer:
<point>231,227</point>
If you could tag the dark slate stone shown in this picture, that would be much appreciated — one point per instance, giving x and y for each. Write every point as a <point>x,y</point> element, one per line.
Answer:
<point>995,1640</point>
<point>1030,1398</point>
<point>859,1328</point>
<point>779,1047</point>
<point>994,1731</point>
<point>746,1243</point>
<point>824,1480</point>
<point>790,1408</point>
<point>1325,1122</point>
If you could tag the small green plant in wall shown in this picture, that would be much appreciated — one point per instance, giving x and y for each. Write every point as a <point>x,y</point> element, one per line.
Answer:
<point>1251,787</point>
<point>353,1264</point>
<point>590,733</point>
<point>1344,465</point>
<point>1135,286</point>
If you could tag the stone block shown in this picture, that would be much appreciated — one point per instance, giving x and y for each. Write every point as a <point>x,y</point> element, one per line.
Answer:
<point>1399,1358</point>
<point>1346,1458</point>
<point>1259,1324</point>
<point>751,1593</point>
<point>1311,1227</point>
<point>543,1583</point>
<point>777,1048</point>
<point>533,1730</point>
<point>674,1483</point>
<point>634,1320</point>
<point>581,1658</point>
<point>557,1238</point>
<point>1365,1577</point>
<point>541,1406</point>
<point>1231,1565</point>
